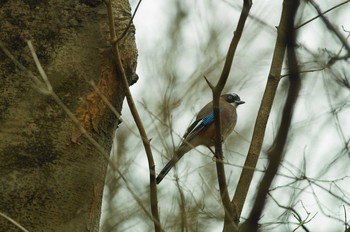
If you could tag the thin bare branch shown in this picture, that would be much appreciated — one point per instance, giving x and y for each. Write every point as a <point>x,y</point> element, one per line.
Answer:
<point>208,82</point>
<point>184,221</point>
<point>130,22</point>
<point>13,222</point>
<point>39,67</point>
<point>295,214</point>
<point>335,31</point>
<point>135,114</point>
<point>322,13</point>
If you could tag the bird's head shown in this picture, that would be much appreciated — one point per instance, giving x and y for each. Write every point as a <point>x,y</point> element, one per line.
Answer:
<point>233,98</point>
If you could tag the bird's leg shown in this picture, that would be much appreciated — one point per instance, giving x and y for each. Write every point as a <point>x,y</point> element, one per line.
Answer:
<point>214,158</point>
<point>212,151</point>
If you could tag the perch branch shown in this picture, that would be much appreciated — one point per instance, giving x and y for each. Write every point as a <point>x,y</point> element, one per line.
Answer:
<point>230,213</point>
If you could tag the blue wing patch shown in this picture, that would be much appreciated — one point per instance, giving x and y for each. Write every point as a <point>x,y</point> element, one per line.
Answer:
<point>199,125</point>
<point>208,119</point>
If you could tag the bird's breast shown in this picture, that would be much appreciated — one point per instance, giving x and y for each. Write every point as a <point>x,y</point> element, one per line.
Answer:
<point>228,120</point>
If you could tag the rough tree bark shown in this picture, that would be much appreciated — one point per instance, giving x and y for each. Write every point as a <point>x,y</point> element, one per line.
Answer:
<point>51,177</point>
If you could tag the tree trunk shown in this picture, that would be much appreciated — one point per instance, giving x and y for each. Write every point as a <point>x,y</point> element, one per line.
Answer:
<point>51,177</point>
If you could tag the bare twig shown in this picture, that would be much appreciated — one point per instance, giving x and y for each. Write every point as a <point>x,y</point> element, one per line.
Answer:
<point>13,222</point>
<point>322,13</point>
<point>296,215</point>
<point>145,140</point>
<point>346,225</point>
<point>184,221</point>
<point>130,22</point>
<point>347,38</point>
<point>335,31</point>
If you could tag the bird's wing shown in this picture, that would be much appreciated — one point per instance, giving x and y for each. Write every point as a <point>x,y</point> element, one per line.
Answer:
<point>199,125</point>
<point>205,118</point>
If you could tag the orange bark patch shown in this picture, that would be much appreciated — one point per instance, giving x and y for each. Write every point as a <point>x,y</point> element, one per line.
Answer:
<point>92,110</point>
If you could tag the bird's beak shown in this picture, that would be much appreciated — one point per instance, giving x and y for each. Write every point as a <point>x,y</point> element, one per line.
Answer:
<point>240,102</point>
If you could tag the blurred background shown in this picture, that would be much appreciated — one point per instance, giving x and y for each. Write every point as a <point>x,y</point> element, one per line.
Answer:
<point>180,42</point>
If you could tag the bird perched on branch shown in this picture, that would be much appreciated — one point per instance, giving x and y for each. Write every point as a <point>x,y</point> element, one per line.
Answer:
<point>202,130</point>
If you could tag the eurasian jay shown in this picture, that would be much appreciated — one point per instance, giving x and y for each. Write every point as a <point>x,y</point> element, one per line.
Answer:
<point>202,130</point>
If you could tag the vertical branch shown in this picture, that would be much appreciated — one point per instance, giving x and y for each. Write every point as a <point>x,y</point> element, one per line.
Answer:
<point>265,108</point>
<point>131,104</point>
<point>230,217</point>
<point>276,150</point>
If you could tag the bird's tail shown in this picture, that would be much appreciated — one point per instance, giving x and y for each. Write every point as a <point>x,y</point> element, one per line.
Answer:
<point>179,153</point>
<point>166,169</point>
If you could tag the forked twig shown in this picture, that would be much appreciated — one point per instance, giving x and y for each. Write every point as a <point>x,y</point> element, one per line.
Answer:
<point>231,217</point>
